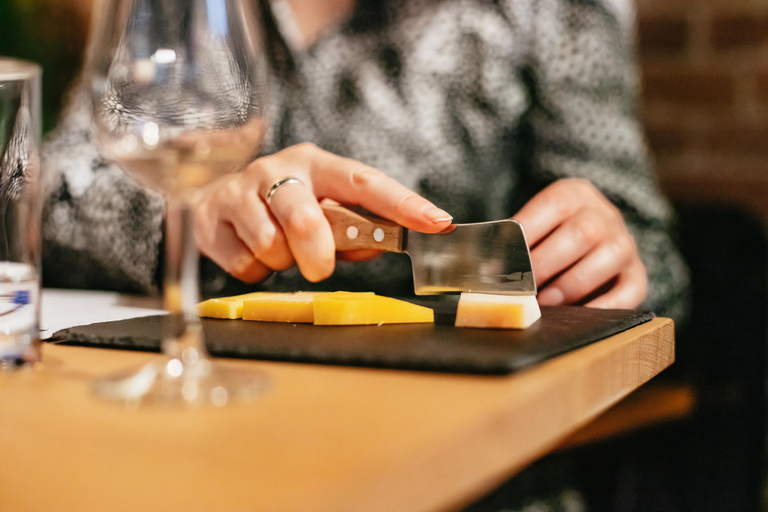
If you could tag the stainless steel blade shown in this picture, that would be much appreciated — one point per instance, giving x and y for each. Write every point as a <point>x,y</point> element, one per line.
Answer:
<point>486,257</point>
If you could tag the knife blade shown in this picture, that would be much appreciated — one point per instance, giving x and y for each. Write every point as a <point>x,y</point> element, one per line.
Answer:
<point>483,257</point>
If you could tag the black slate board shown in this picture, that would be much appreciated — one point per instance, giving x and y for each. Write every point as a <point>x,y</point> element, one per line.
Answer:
<point>426,347</point>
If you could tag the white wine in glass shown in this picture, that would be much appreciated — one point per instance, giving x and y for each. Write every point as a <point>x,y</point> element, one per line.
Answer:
<point>179,97</point>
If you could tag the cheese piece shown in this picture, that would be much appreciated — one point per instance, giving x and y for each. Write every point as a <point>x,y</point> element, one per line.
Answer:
<point>281,307</point>
<point>290,307</point>
<point>227,307</point>
<point>497,311</point>
<point>333,309</point>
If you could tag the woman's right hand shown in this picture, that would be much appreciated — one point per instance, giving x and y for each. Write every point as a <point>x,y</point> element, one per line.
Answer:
<point>236,228</point>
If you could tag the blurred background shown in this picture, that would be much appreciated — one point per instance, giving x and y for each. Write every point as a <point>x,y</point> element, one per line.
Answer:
<point>704,98</point>
<point>52,33</point>
<point>694,440</point>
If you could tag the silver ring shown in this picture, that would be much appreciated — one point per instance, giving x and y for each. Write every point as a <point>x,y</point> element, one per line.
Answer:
<point>279,183</point>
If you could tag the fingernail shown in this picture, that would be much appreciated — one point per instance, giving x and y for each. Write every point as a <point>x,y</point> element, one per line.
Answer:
<point>435,214</point>
<point>551,297</point>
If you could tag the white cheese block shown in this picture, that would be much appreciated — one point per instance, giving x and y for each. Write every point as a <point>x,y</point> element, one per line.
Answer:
<point>497,311</point>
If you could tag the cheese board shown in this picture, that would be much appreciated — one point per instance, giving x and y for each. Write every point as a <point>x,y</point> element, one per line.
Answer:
<point>438,347</point>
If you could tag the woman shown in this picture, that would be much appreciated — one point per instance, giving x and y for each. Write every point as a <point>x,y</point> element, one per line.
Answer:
<point>461,111</point>
<point>488,109</point>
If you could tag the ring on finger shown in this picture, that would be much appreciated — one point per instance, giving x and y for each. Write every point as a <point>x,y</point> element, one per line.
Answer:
<point>279,183</point>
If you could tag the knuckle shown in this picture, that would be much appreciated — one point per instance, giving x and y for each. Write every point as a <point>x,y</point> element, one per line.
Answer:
<point>575,285</point>
<point>404,199</point>
<point>618,218</point>
<point>257,169</point>
<point>580,186</point>
<point>306,147</point>
<point>229,193</point>
<point>361,176</point>
<point>580,280</point>
<point>623,247</point>
<point>561,199</point>
<point>304,221</point>
<point>295,161</point>
<point>303,152</point>
<point>589,229</point>
<point>584,185</point>
<point>241,268</point>
<point>264,241</point>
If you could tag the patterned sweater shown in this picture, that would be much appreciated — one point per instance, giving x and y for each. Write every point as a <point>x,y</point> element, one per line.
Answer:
<point>475,104</point>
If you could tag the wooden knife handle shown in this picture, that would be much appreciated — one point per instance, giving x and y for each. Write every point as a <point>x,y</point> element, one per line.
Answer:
<point>356,228</point>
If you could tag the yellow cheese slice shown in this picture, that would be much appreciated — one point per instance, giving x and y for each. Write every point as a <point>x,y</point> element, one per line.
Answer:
<point>280,307</point>
<point>333,309</point>
<point>290,307</point>
<point>437,290</point>
<point>227,307</point>
<point>497,311</point>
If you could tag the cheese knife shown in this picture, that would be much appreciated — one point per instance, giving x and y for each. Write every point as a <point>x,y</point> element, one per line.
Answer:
<point>483,257</point>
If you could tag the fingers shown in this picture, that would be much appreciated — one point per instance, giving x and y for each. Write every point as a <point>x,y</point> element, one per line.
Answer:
<point>246,236</point>
<point>580,243</point>
<point>258,229</point>
<point>231,254</point>
<point>548,209</point>
<point>629,291</point>
<point>306,229</point>
<point>577,236</point>
<point>351,182</point>
<point>590,273</point>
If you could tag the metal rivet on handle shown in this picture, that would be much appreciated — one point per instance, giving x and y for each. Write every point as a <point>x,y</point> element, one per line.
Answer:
<point>352,232</point>
<point>378,234</point>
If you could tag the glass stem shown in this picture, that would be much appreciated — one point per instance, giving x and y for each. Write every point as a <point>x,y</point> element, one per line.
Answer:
<point>183,338</point>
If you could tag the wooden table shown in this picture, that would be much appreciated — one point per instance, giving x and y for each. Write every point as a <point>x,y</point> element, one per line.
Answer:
<point>324,439</point>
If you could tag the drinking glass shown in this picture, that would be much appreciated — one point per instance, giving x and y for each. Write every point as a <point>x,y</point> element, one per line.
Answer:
<point>178,91</point>
<point>20,208</point>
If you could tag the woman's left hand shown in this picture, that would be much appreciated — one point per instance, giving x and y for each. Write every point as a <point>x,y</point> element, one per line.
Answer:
<point>581,248</point>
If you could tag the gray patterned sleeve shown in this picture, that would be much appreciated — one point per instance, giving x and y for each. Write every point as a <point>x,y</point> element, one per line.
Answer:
<point>584,125</point>
<point>100,229</point>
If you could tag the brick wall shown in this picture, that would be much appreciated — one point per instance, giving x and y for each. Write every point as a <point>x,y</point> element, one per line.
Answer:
<point>705,96</point>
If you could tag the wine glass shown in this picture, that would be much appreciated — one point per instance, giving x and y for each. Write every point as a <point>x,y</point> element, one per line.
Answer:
<point>178,90</point>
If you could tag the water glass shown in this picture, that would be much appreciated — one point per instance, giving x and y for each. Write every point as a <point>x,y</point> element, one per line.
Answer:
<point>20,212</point>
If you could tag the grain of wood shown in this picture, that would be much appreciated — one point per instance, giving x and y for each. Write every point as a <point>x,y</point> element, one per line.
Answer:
<point>324,439</point>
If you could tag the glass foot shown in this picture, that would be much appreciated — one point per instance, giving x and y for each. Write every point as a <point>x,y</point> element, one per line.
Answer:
<point>171,382</point>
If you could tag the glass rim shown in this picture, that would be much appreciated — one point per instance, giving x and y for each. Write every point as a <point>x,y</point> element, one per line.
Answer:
<point>17,69</point>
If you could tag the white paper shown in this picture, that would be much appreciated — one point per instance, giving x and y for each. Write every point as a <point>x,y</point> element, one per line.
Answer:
<point>67,308</point>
